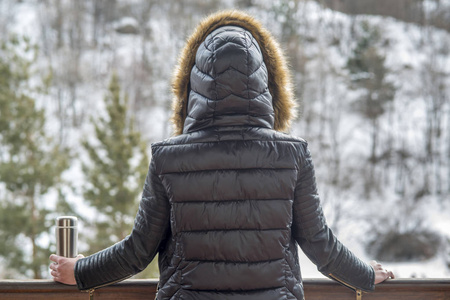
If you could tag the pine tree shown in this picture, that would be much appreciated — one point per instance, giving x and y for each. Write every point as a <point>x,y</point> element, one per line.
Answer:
<point>30,164</point>
<point>369,73</point>
<point>116,172</point>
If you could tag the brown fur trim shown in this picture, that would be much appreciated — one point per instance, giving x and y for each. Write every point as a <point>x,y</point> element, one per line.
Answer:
<point>280,83</point>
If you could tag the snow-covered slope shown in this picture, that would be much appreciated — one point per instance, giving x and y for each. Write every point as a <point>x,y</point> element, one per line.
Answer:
<point>80,43</point>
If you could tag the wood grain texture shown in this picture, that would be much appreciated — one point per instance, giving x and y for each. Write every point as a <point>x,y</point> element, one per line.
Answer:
<point>315,289</point>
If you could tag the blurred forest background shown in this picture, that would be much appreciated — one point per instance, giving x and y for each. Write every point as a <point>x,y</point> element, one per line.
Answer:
<point>85,89</point>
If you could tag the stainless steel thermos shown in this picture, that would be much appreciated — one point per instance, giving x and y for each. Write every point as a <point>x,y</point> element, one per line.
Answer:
<point>66,236</point>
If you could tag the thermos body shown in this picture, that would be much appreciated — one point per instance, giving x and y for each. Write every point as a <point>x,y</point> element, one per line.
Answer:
<point>66,236</point>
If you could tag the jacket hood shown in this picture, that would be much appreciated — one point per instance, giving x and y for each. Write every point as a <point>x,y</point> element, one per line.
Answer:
<point>231,72</point>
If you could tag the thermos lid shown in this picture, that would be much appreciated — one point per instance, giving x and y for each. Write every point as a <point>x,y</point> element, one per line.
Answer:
<point>66,221</point>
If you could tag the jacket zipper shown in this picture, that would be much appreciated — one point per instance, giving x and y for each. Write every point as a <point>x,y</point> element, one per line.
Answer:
<point>92,290</point>
<point>358,291</point>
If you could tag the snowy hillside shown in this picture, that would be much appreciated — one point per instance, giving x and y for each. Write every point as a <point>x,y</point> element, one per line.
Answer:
<point>378,174</point>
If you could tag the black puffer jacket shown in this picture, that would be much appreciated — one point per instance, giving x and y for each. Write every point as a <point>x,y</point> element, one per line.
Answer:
<point>227,202</point>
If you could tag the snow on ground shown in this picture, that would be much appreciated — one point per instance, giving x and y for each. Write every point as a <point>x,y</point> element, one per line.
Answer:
<point>406,58</point>
<point>402,55</point>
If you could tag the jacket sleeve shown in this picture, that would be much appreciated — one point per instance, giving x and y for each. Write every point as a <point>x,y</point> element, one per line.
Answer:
<point>136,251</point>
<point>317,240</point>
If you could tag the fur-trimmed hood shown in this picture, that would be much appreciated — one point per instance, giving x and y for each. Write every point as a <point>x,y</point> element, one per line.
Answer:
<point>279,79</point>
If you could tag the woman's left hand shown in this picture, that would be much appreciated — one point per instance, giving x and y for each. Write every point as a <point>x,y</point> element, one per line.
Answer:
<point>381,274</point>
<point>62,268</point>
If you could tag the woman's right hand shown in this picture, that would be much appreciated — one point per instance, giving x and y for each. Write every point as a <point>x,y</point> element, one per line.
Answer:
<point>381,274</point>
<point>63,268</point>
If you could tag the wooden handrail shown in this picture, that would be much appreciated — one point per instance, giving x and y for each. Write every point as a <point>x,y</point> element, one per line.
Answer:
<point>315,289</point>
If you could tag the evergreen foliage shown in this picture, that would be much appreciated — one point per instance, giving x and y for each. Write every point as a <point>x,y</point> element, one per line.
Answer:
<point>401,153</point>
<point>30,163</point>
<point>118,162</point>
<point>369,74</point>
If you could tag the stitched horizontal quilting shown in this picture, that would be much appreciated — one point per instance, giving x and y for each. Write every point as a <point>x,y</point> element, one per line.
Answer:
<point>229,67</point>
<point>229,215</point>
<point>232,276</point>
<point>234,246</point>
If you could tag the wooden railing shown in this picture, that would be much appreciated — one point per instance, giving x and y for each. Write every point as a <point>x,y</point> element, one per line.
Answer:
<point>315,289</point>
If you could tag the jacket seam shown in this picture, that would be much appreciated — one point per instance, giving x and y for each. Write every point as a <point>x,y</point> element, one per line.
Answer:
<point>285,279</point>
<point>229,68</point>
<point>232,114</point>
<point>260,94</point>
<point>237,291</point>
<point>248,80</point>
<point>230,169</point>
<point>234,262</point>
<point>234,229</point>
<point>230,200</point>
<point>243,141</point>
